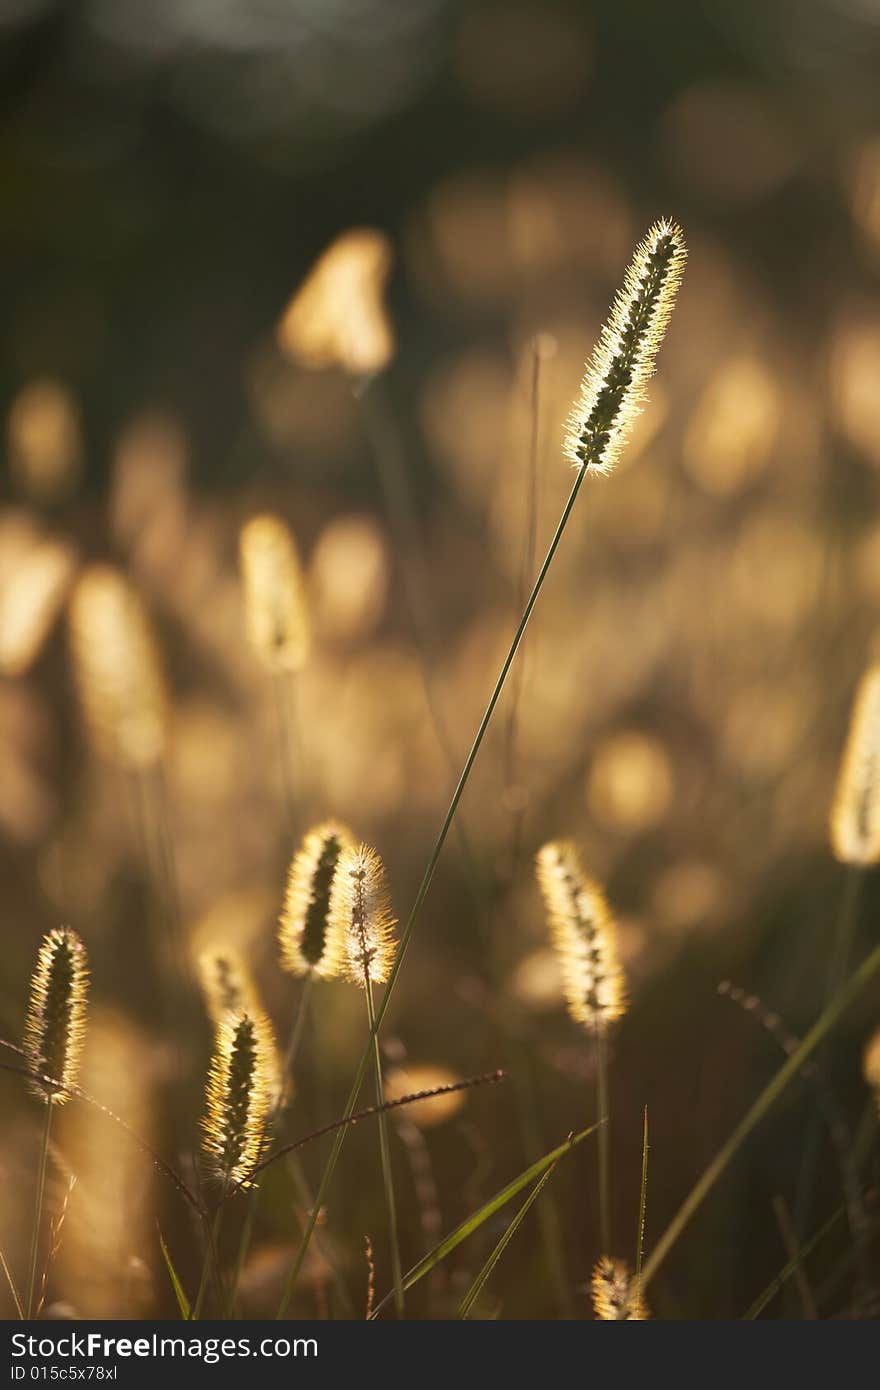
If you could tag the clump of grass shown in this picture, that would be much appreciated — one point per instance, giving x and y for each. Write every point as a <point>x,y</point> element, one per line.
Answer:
<point>238,1097</point>
<point>53,1038</point>
<point>276,613</point>
<point>616,1295</point>
<point>310,942</point>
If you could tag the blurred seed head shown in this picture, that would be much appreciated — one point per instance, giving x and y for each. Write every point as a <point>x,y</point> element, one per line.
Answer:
<point>56,1016</point>
<point>734,426</point>
<point>871,1063</point>
<point>348,579</point>
<point>585,937</point>
<point>309,940</point>
<point>117,669</point>
<point>33,588</point>
<point>276,613</point>
<point>616,1296</point>
<point>855,816</point>
<point>630,785</point>
<point>44,441</point>
<point>337,318</point>
<point>424,1114</point>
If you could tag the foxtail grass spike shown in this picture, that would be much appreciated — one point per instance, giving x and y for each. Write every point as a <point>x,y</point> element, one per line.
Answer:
<point>226,984</point>
<point>616,1296</point>
<point>585,936</point>
<point>855,818</point>
<point>238,1097</point>
<point>117,669</point>
<point>613,388</point>
<point>276,613</point>
<point>360,913</point>
<point>56,1016</point>
<point>310,942</point>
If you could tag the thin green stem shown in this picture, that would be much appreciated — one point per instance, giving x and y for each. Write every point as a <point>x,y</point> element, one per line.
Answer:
<point>38,1209</point>
<point>643,1202</point>
<point>211,1260</point>
<point>765,1101</point>
<point>603,1120</point>
<point>422,893</point>
<point>385,1153</point>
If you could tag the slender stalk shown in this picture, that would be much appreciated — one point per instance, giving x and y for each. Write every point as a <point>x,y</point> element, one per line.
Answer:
<point>211,1260</point>
<point>643,1202</point>
<point>385,1153</point>
<point>603,1120</point>
<point>283,692</point>
<point>422,893</point>
<point>755,1114</point>
<point>38,1209</point>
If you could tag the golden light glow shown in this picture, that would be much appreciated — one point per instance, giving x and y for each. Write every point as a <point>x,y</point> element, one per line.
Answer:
<point>337,318</point>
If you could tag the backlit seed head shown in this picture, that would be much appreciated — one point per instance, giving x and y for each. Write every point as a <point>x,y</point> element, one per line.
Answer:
<point>117,668</point>
<point>309,942</point>
<point>855,817</point>
<point>337,318</point>
<point>613,388</point>
<point>55,1024</point>
<point>229,988</point>
<point>276,614</point>
<point>238,1096</point>
<point>585,937</point>
<point>361,914</point>
<point>616,1296</point>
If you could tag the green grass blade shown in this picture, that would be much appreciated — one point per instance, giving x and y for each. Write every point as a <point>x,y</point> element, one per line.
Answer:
<point>478,1218</point>
<point>11,1282</point>
<point>476,1288</point>
<point>766,1100</point>
<point>778,1280</point>
<point>182,1300</point>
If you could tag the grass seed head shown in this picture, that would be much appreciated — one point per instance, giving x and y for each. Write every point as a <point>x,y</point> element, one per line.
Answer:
<point>117,668</point>
<point>613,388</point>
<point>238,1096</point>
<point>309,940</point>
<point>360,912</point>
<point>855,816</point>
<point>276,613</point>
<point>585,936</point>
<point>55,1024</point>
<point>616,1295</point>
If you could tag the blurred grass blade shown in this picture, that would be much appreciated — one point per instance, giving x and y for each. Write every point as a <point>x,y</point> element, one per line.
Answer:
<point>478,1218</point>
<point>182,1300</point>
<point>782,1278</point>
<point>643,1201</point>
<point>476,1288</point>
<point>11,1282</point>
<point>765,1102</point>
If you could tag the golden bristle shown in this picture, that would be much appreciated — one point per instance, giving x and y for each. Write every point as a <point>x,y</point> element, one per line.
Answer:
<point>855,817</point>
<point>117,668</point>
<point>360,913</point>
<point>56,1016</point>
<point>276,614</point>
<point>585,936</point>
<point>309,944</point>
<point>337,317</point>
<point>238,1096</point>
<point>613,388</point>
<point>616,1296</point>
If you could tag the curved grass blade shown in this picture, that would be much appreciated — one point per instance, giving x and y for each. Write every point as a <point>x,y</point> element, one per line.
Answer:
<point>182,1300</point>
<point>765,1102</point>
<point>476,1288</point>
<point>478,1218</point>
<point>782,1278</point>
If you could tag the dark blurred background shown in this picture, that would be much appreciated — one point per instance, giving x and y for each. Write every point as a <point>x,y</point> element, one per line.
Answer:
<point>170,174</point>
